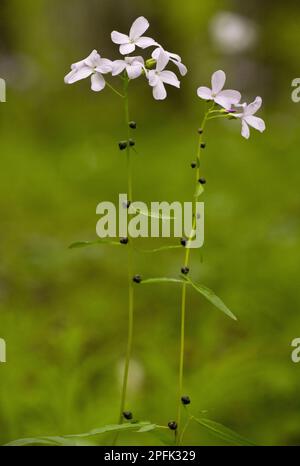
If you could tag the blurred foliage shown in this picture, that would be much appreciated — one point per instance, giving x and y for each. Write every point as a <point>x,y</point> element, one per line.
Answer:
<point>63,313</point>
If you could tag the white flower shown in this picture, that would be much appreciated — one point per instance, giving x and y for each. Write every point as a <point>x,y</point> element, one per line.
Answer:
<point>129,43</point>
<point>93,66</point>
<point>134,67</point>
<point>224,98</point>
<point>248,118</point>
<point>173,57</point>
<point>159,77</point>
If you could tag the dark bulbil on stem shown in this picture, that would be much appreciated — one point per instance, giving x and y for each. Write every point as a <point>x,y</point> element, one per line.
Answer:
<point>200,131</point>
<point>203,145</point>
<point>194,164</point>
<point>185,400</point>
<point>185,270</point>
<point>202,181</point>
<point>137,279</point>
<point>128,415</point>
<point>123,145</point>
<point>183,242</point>
<point>124,241</point>
<point>131,143</point>
<point>172,425</point>
<point>132,125</point>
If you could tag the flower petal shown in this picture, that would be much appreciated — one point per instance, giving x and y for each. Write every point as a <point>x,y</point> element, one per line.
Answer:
<point>118,66</point>
<point>159,91</point>
<point>138,28</point>
<point>134,71</point>
<point>78,75</point>
<point>144,42</point>
<point>245,130</point>
<point>93,59</point>
<point>127,48</point>
<point>218,81</point>
<point>256,123</point>
<point>152,78</point>
<point>204,93</point>
<point>254,106</point>
<point>119,38</point>
<point>105,66</point>
<point>169,77</point>
<point>98,82</point>
<point>162,60</point>
<point>233,96</point>
<point>182,68</point>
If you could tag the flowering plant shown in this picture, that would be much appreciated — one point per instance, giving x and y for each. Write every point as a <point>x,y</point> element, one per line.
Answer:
<point>221,104</point>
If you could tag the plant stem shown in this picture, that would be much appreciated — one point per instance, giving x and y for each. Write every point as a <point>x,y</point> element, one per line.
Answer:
<point>130,265</point>
<point>184,287</point>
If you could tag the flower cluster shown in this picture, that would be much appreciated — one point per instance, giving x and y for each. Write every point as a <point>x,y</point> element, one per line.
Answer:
<point>95,66</point>
<point>230,100</point>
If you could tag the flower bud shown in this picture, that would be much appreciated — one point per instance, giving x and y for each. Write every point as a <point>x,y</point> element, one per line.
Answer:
<point>150,64</point>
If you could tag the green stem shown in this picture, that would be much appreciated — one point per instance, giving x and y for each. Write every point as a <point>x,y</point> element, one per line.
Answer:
<point>130,265</point>
<point>114,90</point>
<point>184,287</point>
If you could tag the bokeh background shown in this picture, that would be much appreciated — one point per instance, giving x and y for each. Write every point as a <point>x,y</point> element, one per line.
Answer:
<point>63,313</point>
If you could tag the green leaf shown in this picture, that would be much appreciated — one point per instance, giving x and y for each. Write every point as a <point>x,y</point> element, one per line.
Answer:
<point>148,428</point>
<point>211,297</point>
<point>152,214</point>
<point>86,244</point>
<point>162,280</point>
<point>199,191</point>
<point>112,428</point>
<point>71,440</point>
<point>50,441</point>
<point>223,432</point>
<point>163,248</point>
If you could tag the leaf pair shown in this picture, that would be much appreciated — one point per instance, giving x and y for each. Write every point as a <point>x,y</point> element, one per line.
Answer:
<point>203,290</point>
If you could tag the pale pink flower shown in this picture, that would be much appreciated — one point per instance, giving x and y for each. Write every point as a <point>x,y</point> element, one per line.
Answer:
<point>225,98</point>
<point>93,66</point>
<point>135,37</point>
<point>173,57</point>
<point>134,67</point>
<point>159,77</point>
<point>248,119</point>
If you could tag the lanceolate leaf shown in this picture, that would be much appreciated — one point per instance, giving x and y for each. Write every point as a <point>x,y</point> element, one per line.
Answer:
<point>212,297</point>
<point>148,428</point>
<point>149,281</point>
<point>223,432</point>
<point>199,191</point>
<point>163,248</point>
<point>86,244</point>
<point>70,440</point>
<point>153,214</point>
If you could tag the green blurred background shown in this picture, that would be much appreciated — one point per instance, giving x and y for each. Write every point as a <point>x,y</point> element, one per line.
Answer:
<point>63,313</point>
